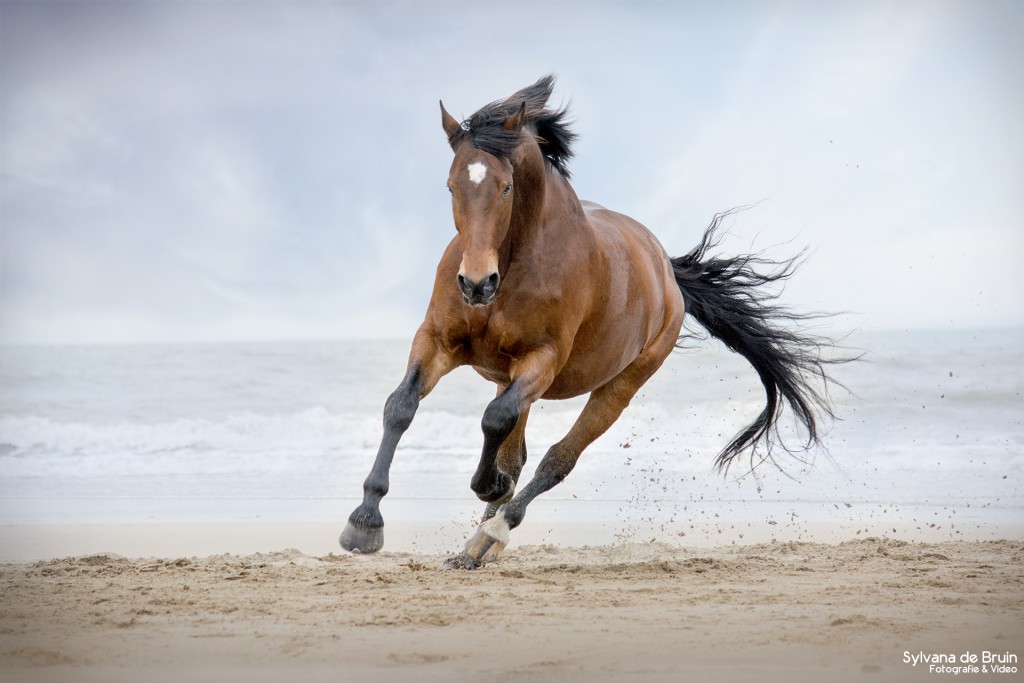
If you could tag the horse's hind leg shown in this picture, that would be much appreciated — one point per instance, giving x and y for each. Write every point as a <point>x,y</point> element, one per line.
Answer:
<point>602,409</point>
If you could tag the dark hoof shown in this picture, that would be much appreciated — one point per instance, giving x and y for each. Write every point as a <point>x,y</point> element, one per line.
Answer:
<point>365,540</point>
<point>499,492</point>
<point>461,561</point>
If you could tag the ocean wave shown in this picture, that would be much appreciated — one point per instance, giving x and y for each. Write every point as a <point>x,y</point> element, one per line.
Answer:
<point>245,442</point>
<point>656,447</point>
<point>251,442</point>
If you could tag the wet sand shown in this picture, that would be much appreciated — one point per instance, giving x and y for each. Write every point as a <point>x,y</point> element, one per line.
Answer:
<point>781,611</point>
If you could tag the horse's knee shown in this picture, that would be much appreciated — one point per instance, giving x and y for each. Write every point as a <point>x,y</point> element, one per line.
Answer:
<point>500,419</point>
<point>400,408</point>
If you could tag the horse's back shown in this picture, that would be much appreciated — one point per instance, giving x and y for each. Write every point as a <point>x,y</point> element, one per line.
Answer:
<point>611,225</point>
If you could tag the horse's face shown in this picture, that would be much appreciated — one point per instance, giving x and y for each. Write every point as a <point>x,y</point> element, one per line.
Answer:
<point>481,187</point>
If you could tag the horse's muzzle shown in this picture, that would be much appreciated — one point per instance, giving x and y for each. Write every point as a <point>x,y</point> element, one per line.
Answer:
<point>480,293</point>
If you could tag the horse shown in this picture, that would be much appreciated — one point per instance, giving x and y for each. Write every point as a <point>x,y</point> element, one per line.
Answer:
<point>551,297</point>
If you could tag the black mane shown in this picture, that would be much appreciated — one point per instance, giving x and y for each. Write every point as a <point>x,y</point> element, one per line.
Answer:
<point>484,129</point>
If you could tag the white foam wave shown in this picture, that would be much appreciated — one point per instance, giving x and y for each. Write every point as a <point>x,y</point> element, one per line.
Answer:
<point>308,440</point>
<point>247,442</point>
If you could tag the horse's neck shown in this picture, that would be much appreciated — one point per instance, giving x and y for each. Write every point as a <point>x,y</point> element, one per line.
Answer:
<point>547,203</point>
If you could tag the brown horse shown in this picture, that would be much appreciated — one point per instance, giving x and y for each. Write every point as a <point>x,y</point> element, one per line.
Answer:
<point>550,297</point>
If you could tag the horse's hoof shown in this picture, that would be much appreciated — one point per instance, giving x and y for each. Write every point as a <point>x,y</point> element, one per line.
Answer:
<point>490,539</point>
<point>365,540</point>
<point>493,553</point>
<point>461,561</point>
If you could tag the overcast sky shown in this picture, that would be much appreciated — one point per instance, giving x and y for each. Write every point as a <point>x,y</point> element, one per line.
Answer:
<point>177,171</point>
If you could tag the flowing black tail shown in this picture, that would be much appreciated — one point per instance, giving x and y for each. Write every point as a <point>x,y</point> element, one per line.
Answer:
<point>727,296</point>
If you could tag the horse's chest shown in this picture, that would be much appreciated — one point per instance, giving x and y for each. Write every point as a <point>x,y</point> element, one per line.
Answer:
<point>492,347</point>
<point>490,356</point>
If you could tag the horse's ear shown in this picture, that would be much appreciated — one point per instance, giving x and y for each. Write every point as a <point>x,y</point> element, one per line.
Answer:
<point>448,122</point>
<point>516,121</point>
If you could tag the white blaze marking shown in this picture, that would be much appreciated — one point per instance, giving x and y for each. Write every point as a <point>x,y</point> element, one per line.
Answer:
<point>477,172</point>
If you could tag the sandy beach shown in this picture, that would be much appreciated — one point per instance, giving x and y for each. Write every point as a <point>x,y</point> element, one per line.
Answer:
<point>152,536</point>
<point>778,611</point>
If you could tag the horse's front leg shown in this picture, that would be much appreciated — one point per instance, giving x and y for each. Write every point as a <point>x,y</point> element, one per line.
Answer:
<point>509,462</point>
<point>504,451</point>
<point>504,454</point>
<point>364,532</point>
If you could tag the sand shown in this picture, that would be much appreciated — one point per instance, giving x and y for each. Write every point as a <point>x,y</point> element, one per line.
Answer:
<point>783,611</point>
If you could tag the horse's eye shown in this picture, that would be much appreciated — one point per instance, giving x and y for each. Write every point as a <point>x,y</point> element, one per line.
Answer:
<point>450,190</point>
<point>507,191</point>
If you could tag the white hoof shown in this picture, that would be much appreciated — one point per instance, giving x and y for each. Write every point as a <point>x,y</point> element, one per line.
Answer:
<point>490,539</point>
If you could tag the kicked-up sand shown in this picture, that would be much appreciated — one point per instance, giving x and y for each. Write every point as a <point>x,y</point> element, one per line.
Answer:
<point>872,609</point>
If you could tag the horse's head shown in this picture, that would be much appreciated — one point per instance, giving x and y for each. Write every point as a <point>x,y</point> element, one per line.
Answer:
<point>482,192</point>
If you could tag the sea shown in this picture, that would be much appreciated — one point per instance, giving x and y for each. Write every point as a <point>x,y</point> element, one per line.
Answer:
<point>928,440</point>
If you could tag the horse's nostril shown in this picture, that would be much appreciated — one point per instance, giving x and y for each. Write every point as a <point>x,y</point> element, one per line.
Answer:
<point>490,285</point>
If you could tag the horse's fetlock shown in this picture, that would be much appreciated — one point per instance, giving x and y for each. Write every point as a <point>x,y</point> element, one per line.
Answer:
<point>494,489</point>
<point>375,489</point>
<point>513,514</point>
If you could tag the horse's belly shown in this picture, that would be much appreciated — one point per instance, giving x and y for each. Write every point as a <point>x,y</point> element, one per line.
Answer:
<point>571,383</point>
<point>590,368</point>
<point>581,374</point>
<point>497,376</point>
